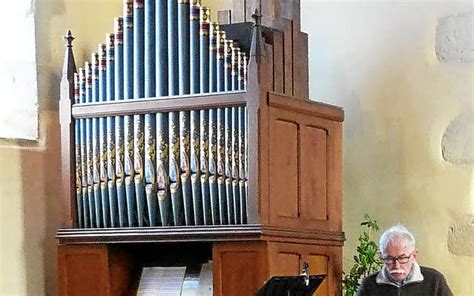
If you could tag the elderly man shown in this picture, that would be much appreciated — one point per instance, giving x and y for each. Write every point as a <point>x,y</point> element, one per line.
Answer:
<point>401,274</point>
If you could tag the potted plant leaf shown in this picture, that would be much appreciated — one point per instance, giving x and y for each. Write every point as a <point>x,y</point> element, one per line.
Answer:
<point>366,261</point>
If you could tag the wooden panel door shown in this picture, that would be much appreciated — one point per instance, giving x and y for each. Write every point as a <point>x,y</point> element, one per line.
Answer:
<point>98,270</point>
<point>283,158</point>
<point>239,268</point>
<point>305,171</point>
<point>318,264</point>
<point>83,270</point>
<point>314,172</point>
<point>288,259</point>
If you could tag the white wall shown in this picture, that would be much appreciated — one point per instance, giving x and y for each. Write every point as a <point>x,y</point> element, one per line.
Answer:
<point>377,60</point>
<point>18,87</point>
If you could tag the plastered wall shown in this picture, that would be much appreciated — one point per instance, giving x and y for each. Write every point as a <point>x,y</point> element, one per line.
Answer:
<point>31,208</point>
<point>405,107</point>
<point>374,58</point>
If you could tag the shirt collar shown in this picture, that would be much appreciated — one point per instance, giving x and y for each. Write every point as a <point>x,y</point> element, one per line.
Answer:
<point>415,276</point>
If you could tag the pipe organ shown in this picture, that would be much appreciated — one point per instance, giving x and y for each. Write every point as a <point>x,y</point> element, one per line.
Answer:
<point>183,135</point>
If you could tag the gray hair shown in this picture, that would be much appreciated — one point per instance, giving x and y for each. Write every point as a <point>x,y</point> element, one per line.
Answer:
<point>394,232</point>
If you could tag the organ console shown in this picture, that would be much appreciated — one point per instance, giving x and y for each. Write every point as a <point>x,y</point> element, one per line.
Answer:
<point>186,141</point>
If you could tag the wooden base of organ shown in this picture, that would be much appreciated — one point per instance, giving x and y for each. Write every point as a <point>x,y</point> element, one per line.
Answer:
<point>295,182</point>
<point>242,259</point>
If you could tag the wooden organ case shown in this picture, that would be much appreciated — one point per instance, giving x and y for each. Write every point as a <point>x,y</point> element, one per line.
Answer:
<point>292,207</point>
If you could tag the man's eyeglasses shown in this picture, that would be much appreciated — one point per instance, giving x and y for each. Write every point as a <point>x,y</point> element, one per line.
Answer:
<point>401,259</point>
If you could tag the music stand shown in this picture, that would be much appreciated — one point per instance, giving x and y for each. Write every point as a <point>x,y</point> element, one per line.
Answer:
<point>301,285</point>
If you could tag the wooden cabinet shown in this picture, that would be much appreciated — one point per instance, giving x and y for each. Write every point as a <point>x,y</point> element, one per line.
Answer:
<point>304,161</point>
<point>300,221</point>
<point>293,197</point>
<point>93,270</point>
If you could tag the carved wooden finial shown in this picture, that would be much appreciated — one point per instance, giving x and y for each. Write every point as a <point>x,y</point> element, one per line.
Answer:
<point>257,16</point>
<point>69,66</point>
<point>68,38</point>
<point>257,47</point>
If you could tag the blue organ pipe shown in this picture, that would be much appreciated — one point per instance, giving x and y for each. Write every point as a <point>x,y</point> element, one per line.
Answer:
<point>139,153</point>
<point>184,136</point>
<point>90,193</point>
<point>149,49</point>
<point>173,77</point>
<point>204,49</point>
<point>246,164</point>
<point>150,170</point>
<point>204,117</point>
<point>241,160</point>
<point>162,141</point>
<point>214,56</point>
<point>85,196</point>
<point>183,46</point>
<point>150,119</point>
<point>173,138</point>
<point>103,137</point>
<point>221,190</point>
<point>221,41</point>
<point>245,71</point>
<point>128,119</point>
<point>185,166</point>
<point>78,160</point>
<point>212,166</point>
<point>235,165</point>
<point>228,48</point>
<point>111,151</point>
<point>95,143</point>
<point>229,196</point>
<point>128,49</point>
<point>161,52</point>
<point>194,47</point>
<point>195,88</point>
<point>204,166</point>
<point>235,68</point>
<point>162,177</point>
<point>174,169</point>
<point>213,53</point>
<point>119,125</point>
<point>228,165</point>
<point>241,70</point>
<point>138,120</point>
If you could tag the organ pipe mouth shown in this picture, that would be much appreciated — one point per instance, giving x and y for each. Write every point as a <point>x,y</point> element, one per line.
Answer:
<point>205,14</point>
<point>95,65</point>
<point>88,67</point>
<point>214,28</point>
<point>110,37</point>
<point>118,30</point>
<point>195,13</point>
<point>138,4</point>
<point>222,34</point>
<point>102,56</point>
<point>128,9</point>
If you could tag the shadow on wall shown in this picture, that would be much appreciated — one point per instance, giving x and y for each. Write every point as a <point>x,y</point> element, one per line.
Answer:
<point>46,56</point>
<point>41,179</point>
<point>40,166</point>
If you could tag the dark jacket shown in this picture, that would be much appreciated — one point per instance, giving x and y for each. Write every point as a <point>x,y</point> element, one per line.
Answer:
<point>423,281</point>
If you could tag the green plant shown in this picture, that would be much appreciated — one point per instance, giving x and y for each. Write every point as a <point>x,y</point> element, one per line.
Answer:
<point>366,261</point>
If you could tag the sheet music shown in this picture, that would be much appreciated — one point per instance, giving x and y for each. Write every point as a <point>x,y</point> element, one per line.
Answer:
<point>191,281</point>
<point>198,282</point>
<point>161,281</point>
<point>205,280</point>
<point>176,281</point>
